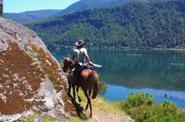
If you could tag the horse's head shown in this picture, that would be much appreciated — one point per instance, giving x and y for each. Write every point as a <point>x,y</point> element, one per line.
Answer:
<point>68,64</point>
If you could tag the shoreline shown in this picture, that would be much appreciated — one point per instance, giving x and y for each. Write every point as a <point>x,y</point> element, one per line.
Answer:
<point>162,96</point>
<point>113,49</point>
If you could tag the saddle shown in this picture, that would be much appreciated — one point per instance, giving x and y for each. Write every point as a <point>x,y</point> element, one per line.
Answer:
<point>78,70</point>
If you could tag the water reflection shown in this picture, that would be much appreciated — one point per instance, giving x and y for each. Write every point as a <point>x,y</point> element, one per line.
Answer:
<point>156,72</point>
<point>141,69</point>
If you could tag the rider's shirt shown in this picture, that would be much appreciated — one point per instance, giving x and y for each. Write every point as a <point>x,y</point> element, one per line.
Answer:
<point>79,55</point>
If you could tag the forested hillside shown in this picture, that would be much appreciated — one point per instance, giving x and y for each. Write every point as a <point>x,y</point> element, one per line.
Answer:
<point>134,25</point>
<point>91,4</point>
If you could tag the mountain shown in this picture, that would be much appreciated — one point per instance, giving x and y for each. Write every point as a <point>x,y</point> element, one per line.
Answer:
<point>29,16</point>
<point>91,4</point>
<point>133,25</point>
<point>31,79</point>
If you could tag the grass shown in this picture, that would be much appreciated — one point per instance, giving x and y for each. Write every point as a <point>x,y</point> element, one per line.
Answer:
<point>32,118</point>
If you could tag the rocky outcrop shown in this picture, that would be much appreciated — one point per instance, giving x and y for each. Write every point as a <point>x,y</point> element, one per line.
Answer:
<point>30,77</point>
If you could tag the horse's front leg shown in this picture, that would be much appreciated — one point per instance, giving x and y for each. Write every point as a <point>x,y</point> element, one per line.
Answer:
<point>77,89</point>
<point>69,90</point>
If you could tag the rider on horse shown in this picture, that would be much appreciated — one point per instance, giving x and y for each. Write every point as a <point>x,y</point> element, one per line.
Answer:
<point>81,58</point>
<point>83,74</point>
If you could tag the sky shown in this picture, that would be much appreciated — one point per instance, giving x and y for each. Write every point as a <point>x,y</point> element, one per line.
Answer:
<point>17,6</point>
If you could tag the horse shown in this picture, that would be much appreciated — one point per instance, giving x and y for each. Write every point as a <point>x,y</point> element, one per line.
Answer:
<point>87,80</point>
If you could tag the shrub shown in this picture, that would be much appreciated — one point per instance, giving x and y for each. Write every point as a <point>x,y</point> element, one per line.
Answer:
<point>164,112</point>
<point>140,107</point>
<point>138,99</point>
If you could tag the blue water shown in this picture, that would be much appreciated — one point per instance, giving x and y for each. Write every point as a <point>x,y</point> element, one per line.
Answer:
<point>159,73</point>
<point>115,92</point>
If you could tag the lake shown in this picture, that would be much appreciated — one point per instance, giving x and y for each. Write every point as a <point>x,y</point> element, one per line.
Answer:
<point>161,73</point>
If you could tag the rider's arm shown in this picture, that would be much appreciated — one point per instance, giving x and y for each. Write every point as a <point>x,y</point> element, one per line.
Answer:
<point>87,57</point>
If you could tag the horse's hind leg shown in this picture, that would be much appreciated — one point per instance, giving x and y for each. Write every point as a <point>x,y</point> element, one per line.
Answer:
<point>90,107</point>
<point>86,95</point>
<point>88,103</point>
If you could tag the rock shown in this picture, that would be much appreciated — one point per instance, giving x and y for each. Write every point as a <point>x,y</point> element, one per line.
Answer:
<point>31,79</point>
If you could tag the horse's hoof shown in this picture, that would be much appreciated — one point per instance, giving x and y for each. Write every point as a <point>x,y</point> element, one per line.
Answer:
<point>84,110</point>
<point>90,115</point>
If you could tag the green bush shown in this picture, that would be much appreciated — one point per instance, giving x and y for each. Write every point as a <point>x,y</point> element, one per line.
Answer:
<point>164,112</point>
<point>138,99</point>
<point>140,107</point>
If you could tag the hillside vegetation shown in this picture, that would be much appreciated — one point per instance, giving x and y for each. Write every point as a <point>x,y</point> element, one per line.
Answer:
<point>82,5</point>
<point>141,107</point>
<point>134,25</point>
<point>90,4</point>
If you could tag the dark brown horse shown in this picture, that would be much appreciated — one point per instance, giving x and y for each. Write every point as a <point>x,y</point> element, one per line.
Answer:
<point>88,81</point>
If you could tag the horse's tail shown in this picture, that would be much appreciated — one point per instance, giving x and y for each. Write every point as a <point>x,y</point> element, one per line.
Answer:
<point>94,79</point>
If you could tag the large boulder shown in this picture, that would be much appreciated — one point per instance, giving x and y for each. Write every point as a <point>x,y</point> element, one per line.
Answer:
<point>31,79</point>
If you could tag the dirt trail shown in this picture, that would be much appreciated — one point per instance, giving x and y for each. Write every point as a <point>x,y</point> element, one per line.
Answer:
<point>106,116</point>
